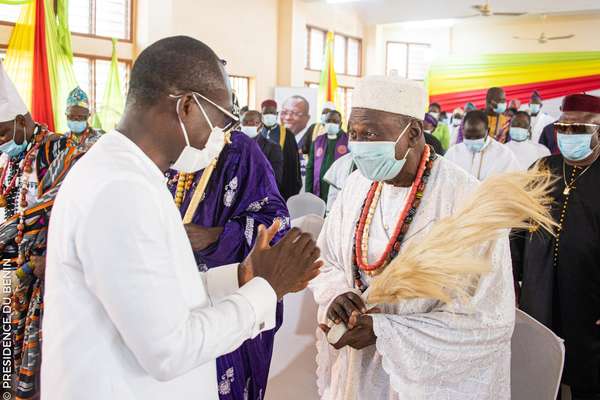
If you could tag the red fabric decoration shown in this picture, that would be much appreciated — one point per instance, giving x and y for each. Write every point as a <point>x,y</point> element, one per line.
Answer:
<point>547,90</point>
<point>41,94</point>
<point>581,102</point>
<point>268,103</point>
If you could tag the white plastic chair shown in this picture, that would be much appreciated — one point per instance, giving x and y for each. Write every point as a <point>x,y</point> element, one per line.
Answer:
<point>306,203</point>
<point>310,224</point>
<point>538,357</point>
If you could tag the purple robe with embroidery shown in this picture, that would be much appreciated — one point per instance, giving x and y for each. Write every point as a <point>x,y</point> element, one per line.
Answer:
<point>241,195</point>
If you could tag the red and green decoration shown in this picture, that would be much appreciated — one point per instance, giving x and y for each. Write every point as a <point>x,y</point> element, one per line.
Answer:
<point>39,59</point>
<point>456,80</point>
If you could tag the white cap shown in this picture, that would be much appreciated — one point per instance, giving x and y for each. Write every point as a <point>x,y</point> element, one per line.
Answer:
<point>11,103</point>
<point>391,94</point>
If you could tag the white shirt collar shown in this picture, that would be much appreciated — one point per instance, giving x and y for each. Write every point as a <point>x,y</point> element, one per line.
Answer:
<point>301,134</point>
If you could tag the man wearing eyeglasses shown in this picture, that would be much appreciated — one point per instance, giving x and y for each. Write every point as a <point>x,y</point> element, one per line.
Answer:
<point>295,115</point>
<point>561,275</point>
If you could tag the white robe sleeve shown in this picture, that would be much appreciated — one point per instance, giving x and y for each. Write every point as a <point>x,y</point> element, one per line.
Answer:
<point>333,280</point>
<point>128,266</point>
<point>455,351</point>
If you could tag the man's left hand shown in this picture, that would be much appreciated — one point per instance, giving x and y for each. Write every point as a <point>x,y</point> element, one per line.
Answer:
<point>361,334</point>
<point>201,237</point>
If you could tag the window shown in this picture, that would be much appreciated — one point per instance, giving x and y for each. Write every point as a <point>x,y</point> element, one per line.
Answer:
<point>347,52</point>
<point>344,95</point>
<point>240,85</point>
<point>108,18</point>
<point>315,48</point>
<point>92,75</point>
<point>9,13</point>
<point>408,60</point>
<point>344,98</point>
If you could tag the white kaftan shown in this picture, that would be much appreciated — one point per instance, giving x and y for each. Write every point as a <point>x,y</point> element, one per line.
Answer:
<point>527,152</point>
<point>425,350</point>
<point>336,176</point>
<point>492,160</point>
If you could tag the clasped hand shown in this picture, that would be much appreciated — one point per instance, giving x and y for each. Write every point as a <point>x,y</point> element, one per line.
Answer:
<point>350,309</point>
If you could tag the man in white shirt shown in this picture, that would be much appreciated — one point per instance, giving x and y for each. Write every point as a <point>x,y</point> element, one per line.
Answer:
<point>127,313</point>
<point>526,151</point>
<point>479,154</point>
<point>539,119</point>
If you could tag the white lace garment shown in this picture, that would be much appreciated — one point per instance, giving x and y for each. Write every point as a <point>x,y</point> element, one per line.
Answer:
<point>424,350</point>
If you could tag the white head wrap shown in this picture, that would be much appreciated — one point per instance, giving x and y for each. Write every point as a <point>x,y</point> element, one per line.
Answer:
<point>11,103</point>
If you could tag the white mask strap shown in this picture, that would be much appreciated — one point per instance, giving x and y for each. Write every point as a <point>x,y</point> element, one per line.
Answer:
<point>403,132</point>
<point>224,111</point>
<point>203,112</point>
<point>185,135</point>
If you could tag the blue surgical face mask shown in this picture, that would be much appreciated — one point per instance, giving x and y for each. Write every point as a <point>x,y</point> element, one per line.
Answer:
<point>332,130</point>
<point>500,108</point>
<point>77,127</point>
<point>575,147</point>
<point>519,134</point>
<point>475,145</point>
<point>534,109</point>
<point>269,120</point>
<point>12,149</point>
<point>377,160</point>
<point>435,115</point>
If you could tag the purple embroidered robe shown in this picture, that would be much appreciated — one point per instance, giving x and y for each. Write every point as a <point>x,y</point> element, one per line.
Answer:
<point>241,195</point>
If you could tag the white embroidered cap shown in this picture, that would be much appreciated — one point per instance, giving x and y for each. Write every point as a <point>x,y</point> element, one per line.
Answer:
<point>11,103</point>
<point>391,94</point>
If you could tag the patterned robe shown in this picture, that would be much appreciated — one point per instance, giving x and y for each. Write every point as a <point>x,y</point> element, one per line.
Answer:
<point>241,195</point>
<point>53,161</point>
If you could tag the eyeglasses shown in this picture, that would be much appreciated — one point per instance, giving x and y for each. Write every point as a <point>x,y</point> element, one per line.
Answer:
<point>576,128</point>
<point>296,114</point>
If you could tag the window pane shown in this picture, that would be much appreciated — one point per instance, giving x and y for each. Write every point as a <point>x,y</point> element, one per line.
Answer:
<point>418,61</point>
<point>112,18</point>
<point>240,86</point>
<point>353,57</point>
<point>348,103</point>
<point>81,68</point>
<point>317,48</point>
<point>79,16</point>
<point>396,59</point>
<point>339,54</point>
<point>9,13</point>
<point>102,69</point>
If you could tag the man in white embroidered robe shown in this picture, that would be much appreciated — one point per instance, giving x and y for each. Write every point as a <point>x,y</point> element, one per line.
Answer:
<point>417,349</point>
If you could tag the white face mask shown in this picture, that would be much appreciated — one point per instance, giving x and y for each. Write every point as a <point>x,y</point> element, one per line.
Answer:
<point>269,120</point>
<point>192,159</point>
<point>250,131</point>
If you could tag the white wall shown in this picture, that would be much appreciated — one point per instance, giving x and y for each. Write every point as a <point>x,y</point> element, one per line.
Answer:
<point>245,36</point>
<point>486,35</point>
<point>496,36</point>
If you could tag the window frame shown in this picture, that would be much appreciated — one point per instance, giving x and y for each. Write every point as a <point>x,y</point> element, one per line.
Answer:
<point>131,14</point>
<point>93,96</point>
<point>407,44</point>
<point>248,80</point>
<point>346,37</point>
<point>343,87</point>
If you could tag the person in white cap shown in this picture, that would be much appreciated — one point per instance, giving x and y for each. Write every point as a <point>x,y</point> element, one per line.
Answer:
<point>480,154</point>
<point>35,163</point>
<point>415,349</point>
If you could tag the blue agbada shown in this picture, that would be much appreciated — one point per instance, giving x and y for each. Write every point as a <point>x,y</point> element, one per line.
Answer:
<point>241,195</point>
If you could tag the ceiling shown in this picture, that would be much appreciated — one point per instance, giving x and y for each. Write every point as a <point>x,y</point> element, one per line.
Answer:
<point>391,11</point>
